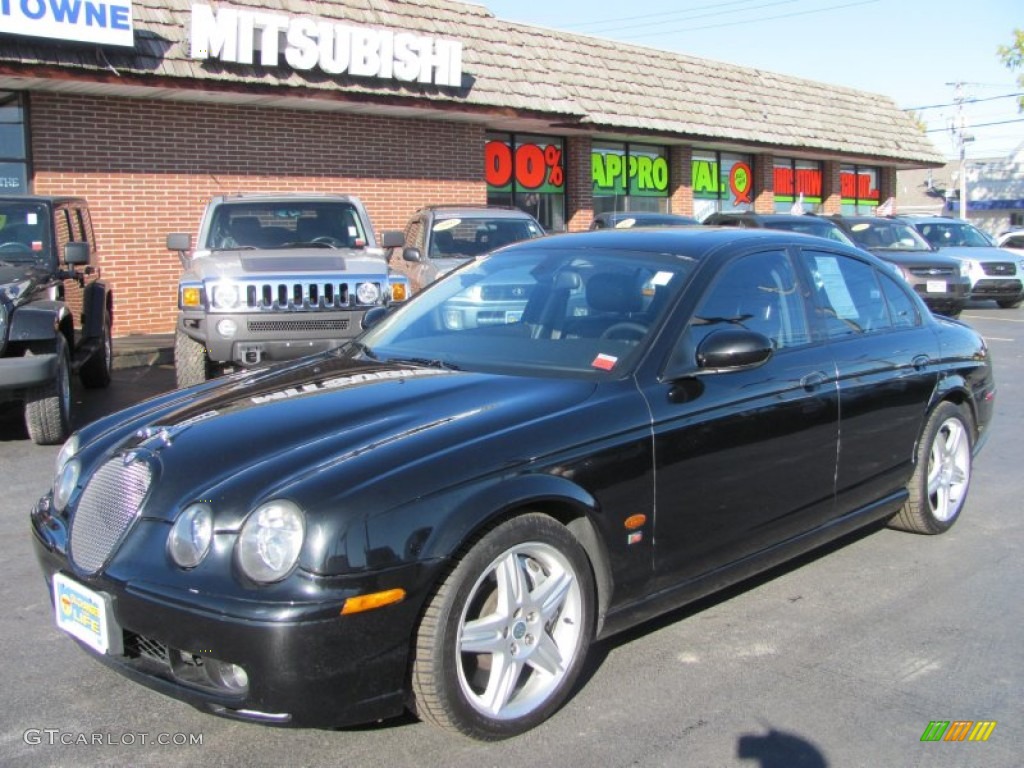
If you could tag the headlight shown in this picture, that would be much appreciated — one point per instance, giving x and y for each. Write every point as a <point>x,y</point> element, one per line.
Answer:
<point>191,535</point>
<point>64,485</point>
<point>965,269</point>
<point>367,293</point>
<point>225,295</point>
<point>270,541</point>
<point>67,452</point>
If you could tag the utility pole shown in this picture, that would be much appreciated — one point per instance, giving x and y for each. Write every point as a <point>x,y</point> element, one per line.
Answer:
<point>961,137</point>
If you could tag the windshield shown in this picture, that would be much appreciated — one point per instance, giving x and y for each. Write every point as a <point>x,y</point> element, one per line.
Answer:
<point>889,236</point>
<point>536,312</point>
<point>812,227</point>
<point>286,225</point>
<point>462,238</point>
<point>24,231</point>
<point>942,234</point>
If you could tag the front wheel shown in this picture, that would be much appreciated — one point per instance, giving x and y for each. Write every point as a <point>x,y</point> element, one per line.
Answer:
<point>504,638</point>
<point>95,372</point>
<point>48,407</point>
<point>191,363</point>
<point>939,485</point>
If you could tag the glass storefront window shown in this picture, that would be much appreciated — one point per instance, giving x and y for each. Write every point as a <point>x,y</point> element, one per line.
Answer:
<point>629,177</point>
<point>527,172</point>
<point>859,185</point>
<point>13,145</point>
<point>722,181</point>
<point>793,178</point>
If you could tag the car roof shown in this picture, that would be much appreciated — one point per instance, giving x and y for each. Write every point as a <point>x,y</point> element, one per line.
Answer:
<point>766,216</point>
<point>53,199</point>
<point>272,197</point>
<point>477,211</point>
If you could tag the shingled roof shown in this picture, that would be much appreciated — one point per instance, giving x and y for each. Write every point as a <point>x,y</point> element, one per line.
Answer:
<point>575,82</point>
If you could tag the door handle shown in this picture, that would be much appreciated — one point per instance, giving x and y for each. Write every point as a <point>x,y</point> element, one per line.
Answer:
<point>813,381</point>
<point>920,362</point>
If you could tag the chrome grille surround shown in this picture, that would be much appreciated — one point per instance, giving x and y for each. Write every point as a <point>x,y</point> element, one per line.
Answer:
<point>107,508</point>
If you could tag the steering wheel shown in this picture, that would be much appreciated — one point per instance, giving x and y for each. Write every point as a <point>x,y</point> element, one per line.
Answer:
<point>625,329</point>
<point>330,242</point>
<point>15,246</point>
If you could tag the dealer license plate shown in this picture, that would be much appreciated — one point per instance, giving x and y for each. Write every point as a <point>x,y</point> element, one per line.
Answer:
<point>936,286</point>
<point>86,614</point>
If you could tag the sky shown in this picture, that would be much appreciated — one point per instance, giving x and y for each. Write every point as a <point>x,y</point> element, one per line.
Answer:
<point>913,51</point>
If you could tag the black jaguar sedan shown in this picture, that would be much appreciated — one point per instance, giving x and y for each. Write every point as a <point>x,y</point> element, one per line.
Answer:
<point>443,518</point>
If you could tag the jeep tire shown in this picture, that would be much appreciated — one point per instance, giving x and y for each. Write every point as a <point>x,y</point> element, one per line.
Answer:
<point>95,372</point>
<point>48,406</point>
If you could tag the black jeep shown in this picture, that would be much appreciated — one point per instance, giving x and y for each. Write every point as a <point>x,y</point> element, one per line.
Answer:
<point>55,312</point>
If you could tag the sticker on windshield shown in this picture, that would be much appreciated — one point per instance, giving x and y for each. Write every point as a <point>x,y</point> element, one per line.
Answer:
<point>604,362</point>
<point>625,224</point>
<point>662,278</point>
<point>441,226</point>
<point>32,218</point>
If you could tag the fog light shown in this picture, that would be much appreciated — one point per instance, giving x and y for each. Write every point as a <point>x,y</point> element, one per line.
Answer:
<point>227,328</point>
<point>229,676</point>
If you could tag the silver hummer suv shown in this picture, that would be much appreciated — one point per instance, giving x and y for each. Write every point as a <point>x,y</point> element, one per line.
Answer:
<point>275,277</point>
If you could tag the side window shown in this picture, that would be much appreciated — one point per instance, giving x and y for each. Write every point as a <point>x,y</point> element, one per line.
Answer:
<point>901,306</point>
<point>62,229</point>
<point>414,234</point>
<point>847,294</point>
<point>759,292</point>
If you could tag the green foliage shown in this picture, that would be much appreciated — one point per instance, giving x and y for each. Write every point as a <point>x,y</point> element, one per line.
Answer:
<point>1013,57</point>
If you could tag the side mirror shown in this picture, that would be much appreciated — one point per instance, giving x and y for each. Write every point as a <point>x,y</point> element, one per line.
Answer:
<point>732,349</point>
<point>179,241</point>
<point>373,316</point>
<point>76,254</point>
<point>412,254</point>
<point>392,239</point>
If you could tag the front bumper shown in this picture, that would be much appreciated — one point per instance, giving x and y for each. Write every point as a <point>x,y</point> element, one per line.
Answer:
<point>307,665</point>
<point>948,301</point>
<point>997,288</point>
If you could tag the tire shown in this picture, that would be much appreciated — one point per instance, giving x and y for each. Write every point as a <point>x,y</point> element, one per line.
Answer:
<point>48,407</point>
<point>191,365</point>
<point>95,373</point>
<point>1009,303</point>
<point>522,597</point>
<point>938,488</point>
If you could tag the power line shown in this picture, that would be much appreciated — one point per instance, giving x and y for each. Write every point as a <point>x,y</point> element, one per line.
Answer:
<point>716,12</point>
<point>966,101</point>
<point>712,6</point>
<point>980,125</point>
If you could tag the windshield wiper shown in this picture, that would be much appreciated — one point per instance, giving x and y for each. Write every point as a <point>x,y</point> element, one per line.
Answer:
<point>425,362</point>
<point>359,347</point>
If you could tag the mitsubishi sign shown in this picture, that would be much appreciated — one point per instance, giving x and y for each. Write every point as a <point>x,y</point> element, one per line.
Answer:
<point>84,21</point>
<point>248,37</point>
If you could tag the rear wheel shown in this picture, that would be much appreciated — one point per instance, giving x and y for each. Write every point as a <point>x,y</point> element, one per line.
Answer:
<point>48,407</point>
<point>504,638</point>
<point>95,373</point>
<point>938,488</point>
<point>1009,303</point>
<point>191,364</point>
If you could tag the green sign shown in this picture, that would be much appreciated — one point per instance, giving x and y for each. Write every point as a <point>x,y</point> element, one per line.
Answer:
<point>614,173</point>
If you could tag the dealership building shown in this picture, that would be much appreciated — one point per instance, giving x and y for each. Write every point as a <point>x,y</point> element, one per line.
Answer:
<point>149,108</point>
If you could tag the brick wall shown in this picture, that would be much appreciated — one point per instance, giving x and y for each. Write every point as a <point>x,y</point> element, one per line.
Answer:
<point>148,168</point>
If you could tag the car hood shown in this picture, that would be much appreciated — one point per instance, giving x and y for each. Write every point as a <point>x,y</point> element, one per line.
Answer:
<point>979,253</point>
<point>262,433</point>
<point>445,265</point>
<point>241,264</point>
<point>915,258</point>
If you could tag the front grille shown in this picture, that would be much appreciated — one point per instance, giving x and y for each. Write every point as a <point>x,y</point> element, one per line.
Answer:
<point>933,272</point>
<point>304,295</point>
<point>141,647</point>
<point>288,326</point>
<point>999,268</point>
<point>109,505</point>
<point>506,292</point>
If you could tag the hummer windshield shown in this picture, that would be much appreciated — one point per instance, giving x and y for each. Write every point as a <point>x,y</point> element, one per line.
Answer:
<point>249,225</point>
<point>24,231</point>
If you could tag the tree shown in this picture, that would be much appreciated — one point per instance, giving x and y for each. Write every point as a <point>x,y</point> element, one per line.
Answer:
<point>1013,57</point>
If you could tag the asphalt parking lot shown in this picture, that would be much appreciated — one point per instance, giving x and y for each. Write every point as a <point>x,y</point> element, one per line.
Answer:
<point>842,659</point>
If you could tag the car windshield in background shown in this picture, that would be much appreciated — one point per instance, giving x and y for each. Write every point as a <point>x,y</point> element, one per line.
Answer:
<point>550,313</point>
<point>889,236</point>
<point>953,234</point>
<point>282,225</point>
<point>24,231</point>
<point>472,236</point>
<point>824,229</point>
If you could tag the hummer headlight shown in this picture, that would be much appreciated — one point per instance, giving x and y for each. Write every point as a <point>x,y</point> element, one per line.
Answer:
<point>965,268</point>
<point>271,540</point>
<point>190,536</point>
<point>225,296</point>
<point>367,293</point>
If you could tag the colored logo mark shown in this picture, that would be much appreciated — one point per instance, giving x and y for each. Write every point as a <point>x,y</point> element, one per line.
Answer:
<point>958,730</point>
